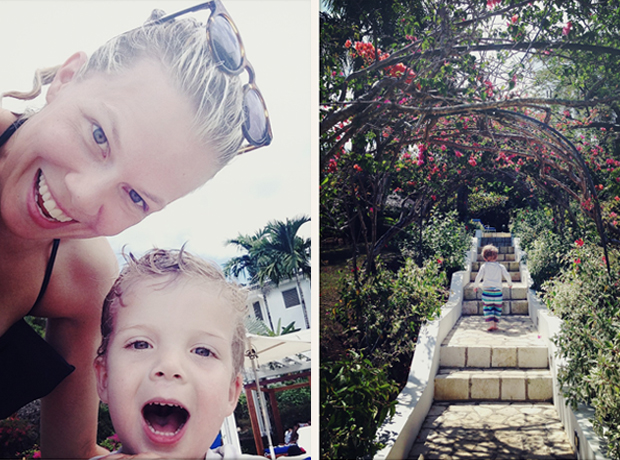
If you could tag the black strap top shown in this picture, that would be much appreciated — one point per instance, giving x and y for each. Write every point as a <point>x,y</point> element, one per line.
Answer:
<point>32,367</point>
<point>50,263</point>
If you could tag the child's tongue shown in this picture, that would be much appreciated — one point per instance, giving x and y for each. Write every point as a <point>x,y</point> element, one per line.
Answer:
<point>165,419</point>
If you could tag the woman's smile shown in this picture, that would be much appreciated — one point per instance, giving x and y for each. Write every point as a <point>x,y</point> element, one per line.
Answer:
<point>46,203</point>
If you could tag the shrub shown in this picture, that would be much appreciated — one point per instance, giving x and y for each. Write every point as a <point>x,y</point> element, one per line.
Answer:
<point>16,437</point>
<point>380,322</point>
<point>587,299</point>
<point>356,397</point>
<point>444,238</point>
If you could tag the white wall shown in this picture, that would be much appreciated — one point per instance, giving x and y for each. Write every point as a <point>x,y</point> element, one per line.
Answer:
<point>275,302</point>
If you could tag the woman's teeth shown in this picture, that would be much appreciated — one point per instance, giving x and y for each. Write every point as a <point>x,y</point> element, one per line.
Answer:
<point>48,204</point>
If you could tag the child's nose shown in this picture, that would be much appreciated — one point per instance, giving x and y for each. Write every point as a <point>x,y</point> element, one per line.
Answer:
<point>168,368</point>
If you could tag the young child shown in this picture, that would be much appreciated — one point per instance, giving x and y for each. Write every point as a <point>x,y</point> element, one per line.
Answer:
<point>170,360</point>
<point>490,274</point>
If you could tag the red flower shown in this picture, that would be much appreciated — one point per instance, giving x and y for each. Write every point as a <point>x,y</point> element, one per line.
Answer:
<point>617,198</point>
<point>347,44</point>
<point>579,242</point>
<point>357,167</point>
<point>439,261</point>
<point>566,28</point>
<point>458,154</point>
<point>514,19</point>
<point>577,261</point>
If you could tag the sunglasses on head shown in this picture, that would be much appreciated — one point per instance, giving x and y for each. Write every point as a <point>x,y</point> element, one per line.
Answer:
<point>227,47</point>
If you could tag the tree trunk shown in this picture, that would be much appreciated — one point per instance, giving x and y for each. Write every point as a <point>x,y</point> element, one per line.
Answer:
<point>303,302</point>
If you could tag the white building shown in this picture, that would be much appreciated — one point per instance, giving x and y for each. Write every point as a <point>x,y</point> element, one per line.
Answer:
<point>282,302</point>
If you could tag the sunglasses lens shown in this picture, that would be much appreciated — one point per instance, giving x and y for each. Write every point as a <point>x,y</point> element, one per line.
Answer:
<point>225,44</point>
<point>255,126</point>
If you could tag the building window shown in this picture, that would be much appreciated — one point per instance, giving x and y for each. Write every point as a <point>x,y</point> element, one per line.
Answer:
<point>291,298</point>
<point>257,311</point>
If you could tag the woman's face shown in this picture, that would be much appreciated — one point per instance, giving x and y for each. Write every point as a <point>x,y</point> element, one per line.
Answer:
<point>104,153</point>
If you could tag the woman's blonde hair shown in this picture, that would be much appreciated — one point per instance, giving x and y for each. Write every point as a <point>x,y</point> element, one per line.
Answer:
<point>182,49</point>
<point>169,266</point>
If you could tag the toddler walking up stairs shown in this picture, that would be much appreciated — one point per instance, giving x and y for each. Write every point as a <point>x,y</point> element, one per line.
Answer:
<point>493,391</point>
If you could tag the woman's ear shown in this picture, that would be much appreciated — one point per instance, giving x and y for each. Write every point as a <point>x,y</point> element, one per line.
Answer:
<point>65,74</point>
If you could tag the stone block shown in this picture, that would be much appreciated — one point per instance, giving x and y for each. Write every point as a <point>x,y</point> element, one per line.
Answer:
<point>539,387</point>
<point>504,357</point>
<point>513,387</point>
<point>470,307</point>
<point>478,357</point>
<point>519,307</point>
<point>452,387</point>
<point>506,307</point>
<point>485,386</point>
<point>452,356</point>
<point>519,293</point>
<point>532,358</point>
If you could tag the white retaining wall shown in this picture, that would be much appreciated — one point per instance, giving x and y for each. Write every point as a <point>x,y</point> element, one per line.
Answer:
<point>415,400</point>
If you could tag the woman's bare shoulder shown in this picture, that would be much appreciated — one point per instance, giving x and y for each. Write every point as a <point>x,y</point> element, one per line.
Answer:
<point>83,274</point>
<point>6,118</point>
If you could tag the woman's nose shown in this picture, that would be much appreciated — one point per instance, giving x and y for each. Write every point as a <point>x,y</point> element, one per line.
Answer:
<point>87,194</point>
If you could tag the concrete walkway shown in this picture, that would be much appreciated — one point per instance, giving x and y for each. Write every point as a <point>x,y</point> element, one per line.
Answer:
<point>495,430</point>
<point>494,390</point>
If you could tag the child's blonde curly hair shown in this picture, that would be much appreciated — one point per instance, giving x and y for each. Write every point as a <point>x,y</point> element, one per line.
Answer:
<point>489,252</point>
<point>170,265</point>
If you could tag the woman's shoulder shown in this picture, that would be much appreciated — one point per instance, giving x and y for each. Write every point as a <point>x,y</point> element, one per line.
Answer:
<point>83,273</point>
<point>6,119</point>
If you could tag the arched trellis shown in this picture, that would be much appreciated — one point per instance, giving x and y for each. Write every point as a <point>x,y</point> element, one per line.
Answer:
<point>549,160</point>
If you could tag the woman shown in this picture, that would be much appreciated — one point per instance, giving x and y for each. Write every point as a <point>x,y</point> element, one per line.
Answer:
<point>145,120</point>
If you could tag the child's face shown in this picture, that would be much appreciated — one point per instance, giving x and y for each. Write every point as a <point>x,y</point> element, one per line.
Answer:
<point>168,374</point>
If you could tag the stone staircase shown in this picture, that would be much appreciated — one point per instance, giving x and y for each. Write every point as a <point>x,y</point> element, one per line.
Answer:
<point>493,391</point>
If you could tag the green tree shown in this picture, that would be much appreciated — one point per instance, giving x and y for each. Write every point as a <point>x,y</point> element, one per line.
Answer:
<point>248,264</point>
<point>285,255</point>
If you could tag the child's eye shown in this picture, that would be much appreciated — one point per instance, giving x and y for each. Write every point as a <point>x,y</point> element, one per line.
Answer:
<point>139,345</point>
<point>202,351</point>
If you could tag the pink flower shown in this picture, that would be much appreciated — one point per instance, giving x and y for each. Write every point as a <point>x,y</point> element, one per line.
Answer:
<point>579,242</point>
<point>566,29</point>
<point>443,148</point>
<point>458,154</point>
<point>514,19</point>
<point>37,454</point>
<point>617,198</point>
<point>577,261</point>
<point>472,161</point>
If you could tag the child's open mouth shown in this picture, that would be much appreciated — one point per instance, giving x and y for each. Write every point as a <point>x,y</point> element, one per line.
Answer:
<point>164,420</point>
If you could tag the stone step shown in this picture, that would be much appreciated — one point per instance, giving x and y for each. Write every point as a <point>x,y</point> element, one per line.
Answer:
<point>501,384</point>
<point>509,307</point>
<point>515,276</point>
<point>511,266</point>
<point>518,292</point>
<point>516,344</point>
<point>493,430</point>
<point>500,257</point>
<point>500,249</point>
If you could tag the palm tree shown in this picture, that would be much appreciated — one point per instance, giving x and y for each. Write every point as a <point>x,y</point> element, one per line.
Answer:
<point>248,264</point>
<point>282,254</point>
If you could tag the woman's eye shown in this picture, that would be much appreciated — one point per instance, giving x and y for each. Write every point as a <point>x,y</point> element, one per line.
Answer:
<point>137,199</point>
<point>202,351</point>
<point>139,345</point>
<point>99,136</point>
